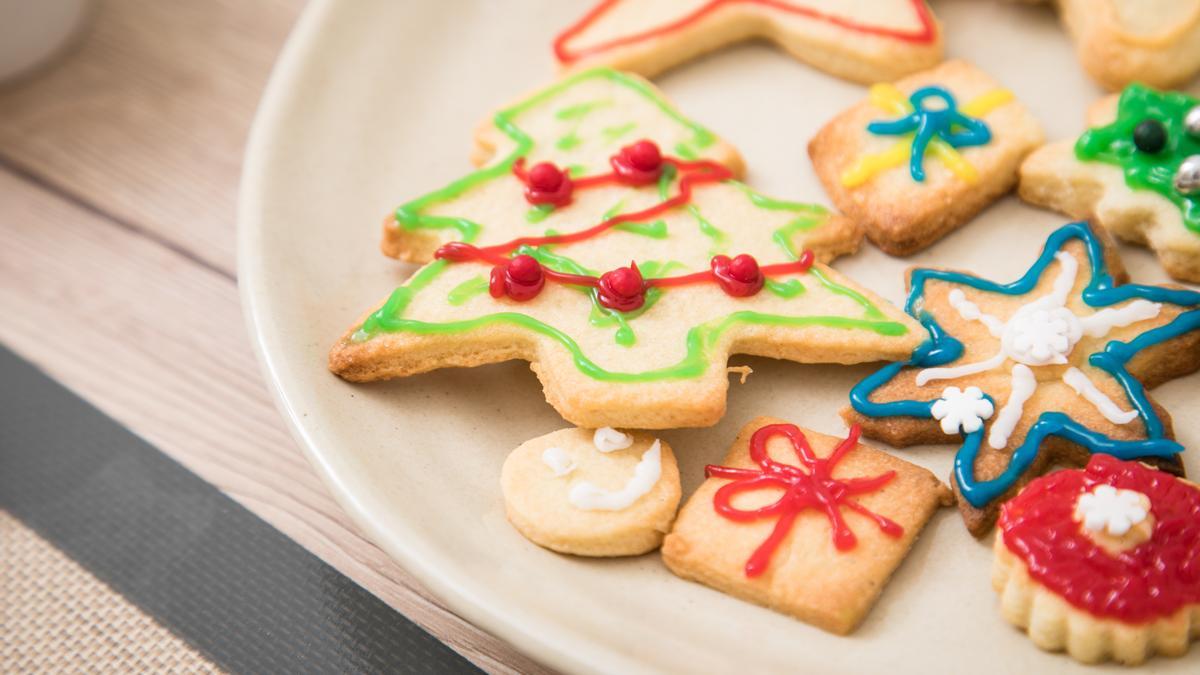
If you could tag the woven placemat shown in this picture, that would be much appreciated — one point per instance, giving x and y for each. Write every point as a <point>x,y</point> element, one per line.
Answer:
<point>56,617</point>
<point>102,514</point>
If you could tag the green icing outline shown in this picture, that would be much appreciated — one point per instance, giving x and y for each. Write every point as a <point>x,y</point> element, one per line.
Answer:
<point>1113,144</point>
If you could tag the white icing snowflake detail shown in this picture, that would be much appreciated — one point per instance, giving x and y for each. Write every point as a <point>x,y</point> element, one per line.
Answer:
<point>1041,332</point>
<point>960,410</point>
<point>1108,509</point>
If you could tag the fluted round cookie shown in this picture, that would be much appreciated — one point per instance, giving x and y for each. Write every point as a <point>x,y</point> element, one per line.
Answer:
<point>1102,562</point>
<point>592,492</point>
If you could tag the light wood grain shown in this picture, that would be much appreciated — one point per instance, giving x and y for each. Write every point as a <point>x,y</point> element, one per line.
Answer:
<point>118,174</point>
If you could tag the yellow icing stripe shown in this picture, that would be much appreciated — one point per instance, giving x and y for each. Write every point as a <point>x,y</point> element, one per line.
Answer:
<point>888,98</point>
<point>869,166</point>
<point>953,160</point>
<point>987,103</point>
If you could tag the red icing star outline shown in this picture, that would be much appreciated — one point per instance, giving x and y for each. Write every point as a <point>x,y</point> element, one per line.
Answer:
<point>924,34</point>
<point>815,488</point>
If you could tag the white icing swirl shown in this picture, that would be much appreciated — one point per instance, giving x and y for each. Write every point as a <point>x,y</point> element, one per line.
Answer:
<point>608,439</point>
<point>558,461</point>
<point>587,496</point>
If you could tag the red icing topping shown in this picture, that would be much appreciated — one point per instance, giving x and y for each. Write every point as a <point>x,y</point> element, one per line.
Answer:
<point>622,289</point>
<point>545,184</point>
<point>812,487</point>
<point>638,164</point>
<point>740,276</point>
<point>1153,580</point>
<point>520,279</point>
<point>924,34</point>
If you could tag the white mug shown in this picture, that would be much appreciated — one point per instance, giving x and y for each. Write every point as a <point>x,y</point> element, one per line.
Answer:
<point>32,31</point>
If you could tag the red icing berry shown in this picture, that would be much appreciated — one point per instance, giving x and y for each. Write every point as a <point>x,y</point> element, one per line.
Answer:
<point>638,164</point>
<point>521,279</point>
<point>1150,581</point>
<point>547,184</point>
<point>622,289</point>
<point>739,277</point>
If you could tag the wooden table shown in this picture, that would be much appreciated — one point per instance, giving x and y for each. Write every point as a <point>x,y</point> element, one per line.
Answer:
<point>118,181</point>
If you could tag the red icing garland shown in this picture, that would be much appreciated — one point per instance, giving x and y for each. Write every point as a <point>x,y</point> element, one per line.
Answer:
<point>1151,581</point>
<point>815,488</point>
<point>925,34</point>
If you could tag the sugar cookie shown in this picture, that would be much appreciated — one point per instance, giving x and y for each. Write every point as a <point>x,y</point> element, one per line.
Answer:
<point>572,492</point>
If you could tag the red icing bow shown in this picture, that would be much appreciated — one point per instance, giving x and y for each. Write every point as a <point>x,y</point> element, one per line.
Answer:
<point>520,279</point>
<point>622,289</point>
<point>813,488</point>
<point>638,164</point>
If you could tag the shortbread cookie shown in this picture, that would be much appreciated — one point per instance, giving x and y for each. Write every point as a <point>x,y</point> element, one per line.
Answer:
<point>861,41</point>
<point>803,523</point>
<point>607,244</point>
<point>1039,372</point>
<point>592,492</point>
<point>1136,171</point>
<point>1103,563</point>
<point>1156,42</point>
<point>919,158</point>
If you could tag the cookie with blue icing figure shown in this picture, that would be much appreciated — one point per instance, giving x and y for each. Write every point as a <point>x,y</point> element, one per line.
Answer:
<point>1135,171</point>
<point>1041,371</point>
<point>920,157</point>
<point>586,492</point>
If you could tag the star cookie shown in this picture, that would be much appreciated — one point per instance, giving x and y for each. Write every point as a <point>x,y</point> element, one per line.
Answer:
<point>1136,171</point>
<point>1042,371</point>
<point>919,158</point>
<point>803,523</point>
<point>1101,562</point>
<point>607,242</point>
<point>592,493</point>
<point>864,42</point>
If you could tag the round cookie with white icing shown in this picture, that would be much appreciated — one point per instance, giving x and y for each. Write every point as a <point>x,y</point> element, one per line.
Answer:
<point>1102,562</point>
<point>592,492</point>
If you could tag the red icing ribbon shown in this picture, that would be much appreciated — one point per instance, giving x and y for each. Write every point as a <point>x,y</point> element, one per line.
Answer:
<point>520,279</point>
<point>638,164</point>
<point>925,34</point>
<point>1153,580</point>
<point>811,488</point>
<point>622,289</point>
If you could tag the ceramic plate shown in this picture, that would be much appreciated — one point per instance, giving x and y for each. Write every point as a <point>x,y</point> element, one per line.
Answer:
<point>373,103</point>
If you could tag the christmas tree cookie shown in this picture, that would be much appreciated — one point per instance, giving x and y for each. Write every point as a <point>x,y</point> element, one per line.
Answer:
<point>1136,171</point>
<point>920,157</point>
<point>864,42</point>
<point>803,523</point>
<point>606,241</point>
<point>1102,562</point>
<point>1043,371</point>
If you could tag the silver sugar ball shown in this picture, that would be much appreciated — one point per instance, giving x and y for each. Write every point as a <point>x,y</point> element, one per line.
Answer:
<point>1191,122</point>
<point>1187,178</point>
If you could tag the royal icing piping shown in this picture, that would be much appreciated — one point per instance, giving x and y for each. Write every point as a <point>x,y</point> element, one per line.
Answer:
<point>926,131</point>
<point>559,462</point>
<point>814,487</point>
<point>1100,292</point>
<point>1024,384</point>
<point>962,411</point>
<point>584,495</point>
<point>1075,379</point>
<point>608,439</point>
<point>1107,509</point>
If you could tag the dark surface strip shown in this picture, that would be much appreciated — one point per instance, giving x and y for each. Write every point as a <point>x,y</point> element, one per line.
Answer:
<point>219,577</point>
